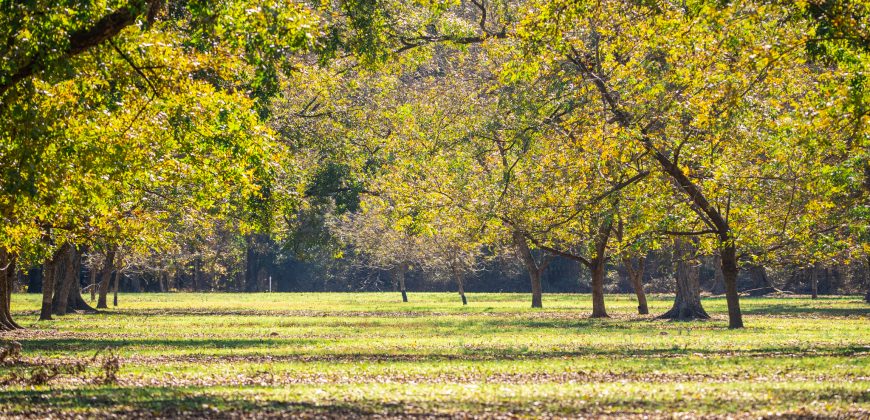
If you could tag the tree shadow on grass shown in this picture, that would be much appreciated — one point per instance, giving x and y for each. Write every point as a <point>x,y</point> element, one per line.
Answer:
<point>805,310</point>
<point>164,402</point>
<point>208,351</point>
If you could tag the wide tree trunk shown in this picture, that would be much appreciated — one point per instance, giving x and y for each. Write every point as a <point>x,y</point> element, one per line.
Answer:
<point>728,254</point>
<point>60,302</point>
<point>687,304</point>
<point>634,268</point>
<point>760,282</point>
<point>598,308</point>
<point>106,278</point>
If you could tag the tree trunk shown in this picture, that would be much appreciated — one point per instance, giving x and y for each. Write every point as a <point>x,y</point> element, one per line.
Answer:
<point>93,283</point>
<point>634,267</point>
<point>251,265</point>
<point>460,285</point>
<point>106,278</point>
<point>400,278</point>
<point>69,276</point>
<point>7,273</point>
<point>115,289</point>
<point>597,266</point>
<point>814,282</point>
<point>760,282</point>
<point>537,290</point>
<point>49,278</point>
<point>728,253</point>
<point>598,308</point>
<point>196,279</point>
<point>532,267</point>
<point>687,303</point>
<point>75,302</point>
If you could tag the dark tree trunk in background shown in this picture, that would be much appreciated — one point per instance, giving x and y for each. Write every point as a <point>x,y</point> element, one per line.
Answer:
<point>196,274</point>
<point>687,304</point>
<point>93,283</point>
<point>106,278</point>
<point>458,277</point>
<point>718,286</point>
<point>760,282</point>
<point>252,265</point>
<point>34,280</point>
<point>634,268</point>
<point>814,282</point>
<point>867,273</point>
<point>115,288</point>
<point>401,269</point>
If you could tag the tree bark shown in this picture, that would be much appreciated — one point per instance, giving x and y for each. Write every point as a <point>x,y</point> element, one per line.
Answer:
<point>50,274</point>
<point>106,278</point>
<point>814,282</point>
<point>7,273</point>
<point>598,308</point>
<point>634,268</point>
<point>115,288</point>
<point>729,276</point>
<point>400,277</point>
<point>597,266</point>
<point>93,271</point>
<point>196,271</point>
<point>687,303</point>
<point>460,285</point>
<point>535,270</point>
<point>69,276</point>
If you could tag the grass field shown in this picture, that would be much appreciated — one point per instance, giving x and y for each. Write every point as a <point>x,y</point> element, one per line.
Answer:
<point>368,354</point>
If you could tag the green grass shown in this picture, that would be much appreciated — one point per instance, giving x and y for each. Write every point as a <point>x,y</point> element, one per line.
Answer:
<point>369,354</point>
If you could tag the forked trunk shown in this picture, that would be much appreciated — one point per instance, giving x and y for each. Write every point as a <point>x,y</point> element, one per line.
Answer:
<point>65,282</point>
<point>634,268</point>
<point>687,303</point>
<point>106,278</point>
<point>49,278</point>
